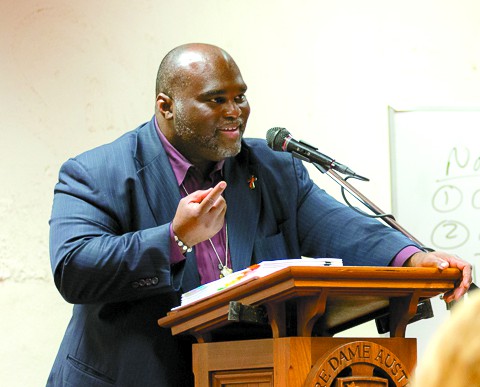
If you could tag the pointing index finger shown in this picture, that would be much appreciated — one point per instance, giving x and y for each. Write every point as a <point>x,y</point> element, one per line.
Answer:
<point>209,201</point>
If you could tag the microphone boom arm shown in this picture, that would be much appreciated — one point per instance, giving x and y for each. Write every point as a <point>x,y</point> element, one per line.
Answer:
<point>367,202</point>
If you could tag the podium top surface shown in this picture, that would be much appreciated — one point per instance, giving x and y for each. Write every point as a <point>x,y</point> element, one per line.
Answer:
<point>339,294</point>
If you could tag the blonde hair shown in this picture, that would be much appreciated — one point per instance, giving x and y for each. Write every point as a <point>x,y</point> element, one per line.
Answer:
<point>452,358</point>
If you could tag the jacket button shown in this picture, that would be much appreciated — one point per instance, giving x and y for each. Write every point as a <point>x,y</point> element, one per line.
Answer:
<point>141,283</point>
<point>135,285</point>
<point>154,280</point>
<point>148,281</point>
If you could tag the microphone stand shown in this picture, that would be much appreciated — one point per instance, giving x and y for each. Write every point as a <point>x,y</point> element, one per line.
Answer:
<point>389,219</point>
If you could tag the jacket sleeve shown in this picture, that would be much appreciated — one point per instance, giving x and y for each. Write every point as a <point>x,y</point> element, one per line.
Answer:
<point>328,228</point>
<point>93,256</point>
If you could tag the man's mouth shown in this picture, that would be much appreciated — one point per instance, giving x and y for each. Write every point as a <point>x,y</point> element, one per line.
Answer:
<point>231,131</point>
<point>230,128</point>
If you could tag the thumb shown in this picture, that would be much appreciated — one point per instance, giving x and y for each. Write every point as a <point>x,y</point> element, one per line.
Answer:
<point>430,259</point>
<point>442,264</point>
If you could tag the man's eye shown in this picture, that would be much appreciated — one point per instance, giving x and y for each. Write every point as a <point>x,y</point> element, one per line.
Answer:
<point>241,98</point>
<point>218,100</point>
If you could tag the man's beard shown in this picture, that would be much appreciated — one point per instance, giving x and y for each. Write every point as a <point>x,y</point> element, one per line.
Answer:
<point>188,135</point>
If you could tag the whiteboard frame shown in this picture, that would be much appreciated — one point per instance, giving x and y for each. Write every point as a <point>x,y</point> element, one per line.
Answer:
<point>394,198</point>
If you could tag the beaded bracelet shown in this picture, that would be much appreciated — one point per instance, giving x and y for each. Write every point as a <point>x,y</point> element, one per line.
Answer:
<point>183,246</point>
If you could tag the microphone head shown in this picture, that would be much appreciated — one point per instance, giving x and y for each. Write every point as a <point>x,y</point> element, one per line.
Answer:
<point>276,138</point>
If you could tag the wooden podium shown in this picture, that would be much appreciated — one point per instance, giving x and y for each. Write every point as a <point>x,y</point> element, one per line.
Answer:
<point>318,302</point>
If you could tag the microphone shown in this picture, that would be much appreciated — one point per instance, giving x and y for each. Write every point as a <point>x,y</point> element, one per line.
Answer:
<point>280,139</point>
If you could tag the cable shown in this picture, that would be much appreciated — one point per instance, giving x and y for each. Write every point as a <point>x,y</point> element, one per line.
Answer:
<point>381,216</point>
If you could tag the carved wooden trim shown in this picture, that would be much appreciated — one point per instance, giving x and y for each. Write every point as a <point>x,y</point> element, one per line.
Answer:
<point>256,377</point>
<point>363,358</point>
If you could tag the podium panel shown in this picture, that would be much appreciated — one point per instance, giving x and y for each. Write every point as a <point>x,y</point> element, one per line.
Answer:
<point>305,362</point>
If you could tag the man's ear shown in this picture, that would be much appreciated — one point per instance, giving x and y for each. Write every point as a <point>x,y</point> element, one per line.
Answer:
<point>165,106</point>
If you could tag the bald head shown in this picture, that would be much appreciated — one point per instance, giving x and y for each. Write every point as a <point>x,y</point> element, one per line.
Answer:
<point>183,62</point>
<point>200,105</point>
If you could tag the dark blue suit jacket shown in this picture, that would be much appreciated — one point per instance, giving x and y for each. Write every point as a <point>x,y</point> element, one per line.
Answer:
<point>110,247</point>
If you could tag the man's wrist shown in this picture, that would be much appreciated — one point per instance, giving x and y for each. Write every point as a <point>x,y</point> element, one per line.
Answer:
<point>176,255</point>
<point>183,246</point>
<point>404,255</point>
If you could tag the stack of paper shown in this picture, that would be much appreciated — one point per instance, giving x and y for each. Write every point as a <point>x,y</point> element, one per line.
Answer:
<point>251,273</point>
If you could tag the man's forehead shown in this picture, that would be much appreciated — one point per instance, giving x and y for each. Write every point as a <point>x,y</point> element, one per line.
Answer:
<point>206,71</point>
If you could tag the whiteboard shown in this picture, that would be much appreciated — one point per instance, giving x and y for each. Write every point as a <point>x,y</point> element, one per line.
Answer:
<point>435,170</point>
<point>435,182</point>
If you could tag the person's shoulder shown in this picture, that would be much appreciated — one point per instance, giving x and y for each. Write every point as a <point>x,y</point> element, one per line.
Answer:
<point>116,158</point>
<point>126,143</point>
<point>256,143</point>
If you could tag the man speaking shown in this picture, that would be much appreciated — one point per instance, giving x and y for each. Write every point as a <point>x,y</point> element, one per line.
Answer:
<point>182,200</point>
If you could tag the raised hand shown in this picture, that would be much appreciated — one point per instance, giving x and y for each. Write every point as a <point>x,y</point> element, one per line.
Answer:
<point>200,215</point>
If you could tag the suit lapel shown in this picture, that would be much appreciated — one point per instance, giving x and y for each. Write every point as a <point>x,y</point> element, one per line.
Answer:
<point>156,175</point>
<point>243,209</point>
<point>161,190</point>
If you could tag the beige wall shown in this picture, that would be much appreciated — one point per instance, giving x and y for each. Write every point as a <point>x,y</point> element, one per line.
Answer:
<point>77,74</point>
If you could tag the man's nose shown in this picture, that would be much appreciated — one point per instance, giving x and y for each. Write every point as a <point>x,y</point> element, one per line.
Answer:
<point>232,109</point>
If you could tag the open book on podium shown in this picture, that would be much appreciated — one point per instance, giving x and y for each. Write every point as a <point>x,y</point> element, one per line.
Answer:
<point>251,273</point>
